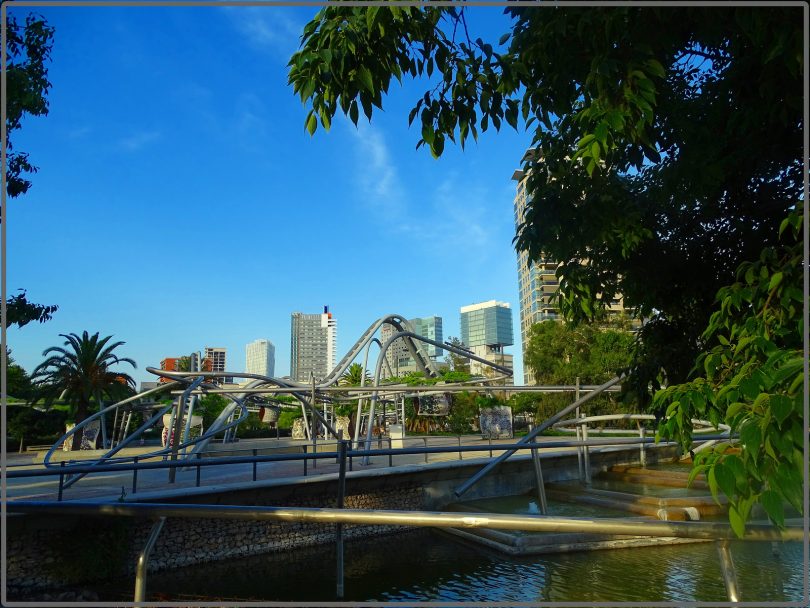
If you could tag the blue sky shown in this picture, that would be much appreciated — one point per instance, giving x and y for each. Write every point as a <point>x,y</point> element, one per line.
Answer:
<point>180,203</point>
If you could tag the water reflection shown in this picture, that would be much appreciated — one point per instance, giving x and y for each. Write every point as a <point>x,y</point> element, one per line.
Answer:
<point>429,566</point>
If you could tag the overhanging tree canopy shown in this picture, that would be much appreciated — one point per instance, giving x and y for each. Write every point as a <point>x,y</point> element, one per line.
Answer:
<point>670,138</point>
<point>668,151</point>
<point>28,51</point>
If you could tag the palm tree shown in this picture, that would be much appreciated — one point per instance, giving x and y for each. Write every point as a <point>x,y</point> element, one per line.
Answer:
<point>80,373</point>
<point>354,375</point>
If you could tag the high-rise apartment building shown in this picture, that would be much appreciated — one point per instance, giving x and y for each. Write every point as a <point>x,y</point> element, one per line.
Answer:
<point>537,279</point>
<point>398,358</point>
<point>486,328</point>
<point>313,345</point>
<point>214,361</point>
<point>260,358</point>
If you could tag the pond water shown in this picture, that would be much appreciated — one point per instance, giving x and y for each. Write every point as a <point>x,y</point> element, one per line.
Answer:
<point>426,565</point>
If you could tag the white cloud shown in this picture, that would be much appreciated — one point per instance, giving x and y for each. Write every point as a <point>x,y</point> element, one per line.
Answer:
<point>376,175</point>
<point>249,116</point>
<point>79,132</point>
<point>267,28</point>
<point>453,215</point>
<point>138,140</point>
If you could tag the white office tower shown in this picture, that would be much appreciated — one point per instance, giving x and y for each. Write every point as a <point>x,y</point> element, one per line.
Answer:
<point>313,345</point>
<point>260,358</point>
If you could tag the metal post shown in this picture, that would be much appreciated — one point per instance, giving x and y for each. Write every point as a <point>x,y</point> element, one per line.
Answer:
<point>199,457</point>
<point>580,463</point>
<point>135,475</point>
<point>143,561</point>
<point>490,445</point>
<point>586,455</point>
<point>339,527</point>
<point>538,475</point>
<point>255,453</point>
<point>305,460</point>
<point>727,568</point>
<point>459,447</point>
<point>115,426</point>
<point>390,456</point>
<point>425,440</point>
<point>642,450</point>
<point>578,430</point>
<point>61,481</point>
<point>103,423</point>
<point>174,435</point>
<point>314,431</point>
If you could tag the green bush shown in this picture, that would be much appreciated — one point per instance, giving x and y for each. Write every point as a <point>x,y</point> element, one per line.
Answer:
<point>34,426</point>
<point>463,413</point>
<point>286,418</point>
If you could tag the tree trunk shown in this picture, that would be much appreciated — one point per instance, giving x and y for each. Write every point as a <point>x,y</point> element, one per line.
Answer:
<point>81,414</point>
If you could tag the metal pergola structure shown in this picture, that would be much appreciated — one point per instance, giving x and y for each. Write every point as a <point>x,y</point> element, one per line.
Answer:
<point>186,387</point>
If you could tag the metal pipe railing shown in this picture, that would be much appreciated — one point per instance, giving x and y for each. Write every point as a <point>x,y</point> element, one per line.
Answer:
<point>532,523</point>
<point>143,560</point>
<point>513,447</point>
<point>536,431</point>
<point>78,471</point>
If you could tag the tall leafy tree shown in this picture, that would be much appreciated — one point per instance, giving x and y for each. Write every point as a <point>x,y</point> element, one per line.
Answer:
<point>18,381</point>
<point>80,373</point>
<point>456,362</point>
<point>561,353</point>
<point>28,49</point>
<point>667,150</point>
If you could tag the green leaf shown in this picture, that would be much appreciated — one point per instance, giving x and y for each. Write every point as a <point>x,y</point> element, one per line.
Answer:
<point>511,115</point>
<point>595,150</point>
<point>502,40</point>
<point>353,113</point>
<point>366,79</point>
<point>751,436</point>
<point>712,480</point>
<point>312,122</point>
<point>781,407</point>
<point>772,503</point>
<point>371,14</point>
<point>696,470</point>
<point>365,101</point>
<point>437,147</point>
<point>725,479</point>
<point>734,409</point>
<point>326,121</point>
<point>776,278</point>
<point>737,521</point>
<point>655,68</point>
<point>601,133</point>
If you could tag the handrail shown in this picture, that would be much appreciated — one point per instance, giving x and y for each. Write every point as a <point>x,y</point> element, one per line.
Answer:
<point>143,560</point>
<point>131,466</point>
<point>705,424</point>
<point>534,433</point>
<point>534,523</point>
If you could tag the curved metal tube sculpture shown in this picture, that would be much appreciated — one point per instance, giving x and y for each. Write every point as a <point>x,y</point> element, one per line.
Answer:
<point>197,379</point>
